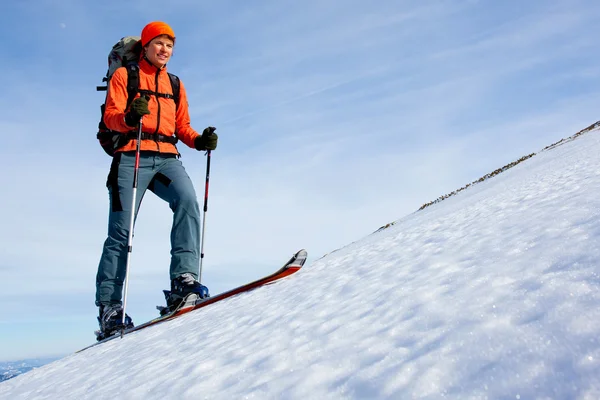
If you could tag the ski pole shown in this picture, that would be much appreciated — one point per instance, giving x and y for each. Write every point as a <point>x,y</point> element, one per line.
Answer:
<point>205,209</point>
<point>130,238</point>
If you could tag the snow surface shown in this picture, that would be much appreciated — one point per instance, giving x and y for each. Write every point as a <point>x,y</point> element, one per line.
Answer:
<point>492,293</point>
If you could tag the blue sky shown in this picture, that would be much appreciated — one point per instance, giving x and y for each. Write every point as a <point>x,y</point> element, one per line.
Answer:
<point>334,118</point>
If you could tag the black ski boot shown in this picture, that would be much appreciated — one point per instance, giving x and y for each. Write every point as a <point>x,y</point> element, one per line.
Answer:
<point>111,321</point>
<point>185,289</point>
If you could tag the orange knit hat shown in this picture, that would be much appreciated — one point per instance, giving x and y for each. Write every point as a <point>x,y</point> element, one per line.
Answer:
<point>154,29</point>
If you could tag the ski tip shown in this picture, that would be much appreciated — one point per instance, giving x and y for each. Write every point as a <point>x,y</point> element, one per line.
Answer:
<point>298,259</point>
<point>302,253</point>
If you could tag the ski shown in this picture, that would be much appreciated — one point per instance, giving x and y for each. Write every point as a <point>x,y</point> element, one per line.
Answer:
<point>191,304</point>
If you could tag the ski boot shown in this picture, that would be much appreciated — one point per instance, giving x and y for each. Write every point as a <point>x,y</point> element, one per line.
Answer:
<point>111,321</point>
<point>185,291</point>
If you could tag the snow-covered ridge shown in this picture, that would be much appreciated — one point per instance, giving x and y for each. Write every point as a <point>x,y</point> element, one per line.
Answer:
<point>595,125</point>
<point>508,166</point>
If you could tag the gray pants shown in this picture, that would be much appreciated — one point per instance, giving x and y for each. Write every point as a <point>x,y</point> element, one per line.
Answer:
<point>165,176</point>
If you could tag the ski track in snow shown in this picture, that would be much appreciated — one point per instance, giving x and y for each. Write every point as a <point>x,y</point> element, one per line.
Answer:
<point>492,293</point>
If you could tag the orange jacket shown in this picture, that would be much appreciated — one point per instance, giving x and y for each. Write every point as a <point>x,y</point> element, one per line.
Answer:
<point>164,117</point>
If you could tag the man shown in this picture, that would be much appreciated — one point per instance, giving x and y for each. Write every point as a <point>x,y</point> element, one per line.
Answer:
<point>160,171</point>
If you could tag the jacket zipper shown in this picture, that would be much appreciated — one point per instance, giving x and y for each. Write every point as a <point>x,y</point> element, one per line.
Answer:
<point>158,106</point>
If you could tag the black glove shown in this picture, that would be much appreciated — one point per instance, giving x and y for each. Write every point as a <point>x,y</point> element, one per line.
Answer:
<point>138,108</point>
<point>208,139</point>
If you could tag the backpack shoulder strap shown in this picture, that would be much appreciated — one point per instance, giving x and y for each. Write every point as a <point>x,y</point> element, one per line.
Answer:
<point>133,82</point>
<point>176,87</point>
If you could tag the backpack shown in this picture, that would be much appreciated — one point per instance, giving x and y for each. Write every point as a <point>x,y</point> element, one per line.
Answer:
<point>126,53</point>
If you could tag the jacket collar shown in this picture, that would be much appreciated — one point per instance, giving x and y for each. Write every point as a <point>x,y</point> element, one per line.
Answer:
<point>150,68</point>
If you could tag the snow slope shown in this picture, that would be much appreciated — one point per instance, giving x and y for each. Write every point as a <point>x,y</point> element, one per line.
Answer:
<point>492,293</point>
